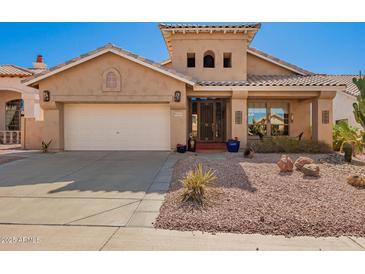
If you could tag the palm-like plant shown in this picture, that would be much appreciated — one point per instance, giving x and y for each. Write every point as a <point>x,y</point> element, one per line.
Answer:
<point>195,183</point>
<point>343,133</point>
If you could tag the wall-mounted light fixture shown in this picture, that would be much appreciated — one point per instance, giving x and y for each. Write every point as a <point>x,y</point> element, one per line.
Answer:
<point>46,96</point>
<point>291,117</point>
<point>177,96</point>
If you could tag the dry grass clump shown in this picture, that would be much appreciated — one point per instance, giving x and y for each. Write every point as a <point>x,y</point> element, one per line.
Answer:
<point>289,145</point>
<point>195,183</point>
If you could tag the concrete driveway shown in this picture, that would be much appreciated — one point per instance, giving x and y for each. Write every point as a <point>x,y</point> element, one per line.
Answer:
<point>84,188</point>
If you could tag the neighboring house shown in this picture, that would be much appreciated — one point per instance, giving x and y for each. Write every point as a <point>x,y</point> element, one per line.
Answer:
<point>342,104</point>
<point>112,99</point>
<point>17,100</point>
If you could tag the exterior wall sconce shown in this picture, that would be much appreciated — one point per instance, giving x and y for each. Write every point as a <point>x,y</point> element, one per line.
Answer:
<point>46,96</point>
<point>177,96</point>
<point>291,117</point>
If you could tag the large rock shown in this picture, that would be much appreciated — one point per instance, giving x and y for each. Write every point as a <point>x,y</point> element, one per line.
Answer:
<point>301,161</point>
<point>356,180</point>
<point>285,164</point>
<point>310,170</point>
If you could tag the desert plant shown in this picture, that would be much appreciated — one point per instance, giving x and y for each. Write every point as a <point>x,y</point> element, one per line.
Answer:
<point>45,146</point>
<point>195,183</point>
<point>343,133</point>
<point>290,145</point>
<point>359,105</point>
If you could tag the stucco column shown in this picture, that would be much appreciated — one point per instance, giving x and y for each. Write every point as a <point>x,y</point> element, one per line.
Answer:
<point>239,116</point>
<point>322,118</point>
<point>53,123</point>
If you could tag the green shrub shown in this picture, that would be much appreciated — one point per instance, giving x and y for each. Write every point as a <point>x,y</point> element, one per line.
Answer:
<point>290,145</point>
<point>343,133</point>
<point>195,183</point>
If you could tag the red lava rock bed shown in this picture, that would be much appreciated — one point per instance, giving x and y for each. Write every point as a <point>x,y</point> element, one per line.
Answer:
<point>251,196</point>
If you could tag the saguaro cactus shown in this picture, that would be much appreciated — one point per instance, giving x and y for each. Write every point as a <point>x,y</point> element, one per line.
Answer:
<point>359,106</point>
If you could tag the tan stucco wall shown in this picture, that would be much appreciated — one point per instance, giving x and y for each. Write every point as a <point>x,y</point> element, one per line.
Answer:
<point>219,43</point>
<point>301,118</point>
<point>32,133</point>
<point>83,84</point>
<point>322,132</point>
<point>259,66</point>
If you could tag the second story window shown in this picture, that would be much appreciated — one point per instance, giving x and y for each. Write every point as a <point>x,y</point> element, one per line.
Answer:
<point>208,60</point>
<point>190,58</point>
<point>227,60</point>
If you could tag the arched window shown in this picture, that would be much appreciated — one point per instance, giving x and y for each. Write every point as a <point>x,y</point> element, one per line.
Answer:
<point>208,60</point>
<point>111,80</point>
<point>13,111</point>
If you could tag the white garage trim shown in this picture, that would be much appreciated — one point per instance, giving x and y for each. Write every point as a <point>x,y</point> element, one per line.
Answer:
<point>117,126</point>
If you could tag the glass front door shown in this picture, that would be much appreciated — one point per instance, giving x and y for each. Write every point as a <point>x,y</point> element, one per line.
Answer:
<point>208,120</point>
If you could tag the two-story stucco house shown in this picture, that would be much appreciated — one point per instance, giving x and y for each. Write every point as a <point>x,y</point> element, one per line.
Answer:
<point>214,86</point>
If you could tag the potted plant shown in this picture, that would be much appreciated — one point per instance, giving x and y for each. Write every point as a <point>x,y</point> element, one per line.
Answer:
<point>181,148</point>
<point>233,145</point>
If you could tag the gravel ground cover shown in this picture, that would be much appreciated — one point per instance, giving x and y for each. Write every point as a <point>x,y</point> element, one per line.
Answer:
<point>251,196</point>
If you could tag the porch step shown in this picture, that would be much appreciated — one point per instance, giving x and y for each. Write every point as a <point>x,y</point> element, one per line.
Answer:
<point>211,147</point>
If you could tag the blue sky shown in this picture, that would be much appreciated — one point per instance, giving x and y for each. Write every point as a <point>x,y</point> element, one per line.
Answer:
<point>334,48</point>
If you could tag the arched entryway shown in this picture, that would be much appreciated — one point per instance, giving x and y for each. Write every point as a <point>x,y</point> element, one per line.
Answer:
<point>13,111</point>
<point>11,108</point>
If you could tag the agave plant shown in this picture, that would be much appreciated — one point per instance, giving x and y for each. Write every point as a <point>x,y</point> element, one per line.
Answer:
<point>195,183</point>
<point>343,133</point>
<point>359,105</point>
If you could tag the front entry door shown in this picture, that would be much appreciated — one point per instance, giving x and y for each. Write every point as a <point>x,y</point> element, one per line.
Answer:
<point>211,115</point>
<point>206,121</point>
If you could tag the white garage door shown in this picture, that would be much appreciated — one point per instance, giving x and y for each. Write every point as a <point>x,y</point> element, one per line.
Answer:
<point>117,126</point>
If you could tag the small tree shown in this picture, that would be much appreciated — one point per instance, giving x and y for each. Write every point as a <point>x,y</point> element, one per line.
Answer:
<point>359,106</point>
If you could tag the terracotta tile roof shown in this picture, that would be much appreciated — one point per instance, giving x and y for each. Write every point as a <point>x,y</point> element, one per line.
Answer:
<point>346,79</point>
<point>279,61</point>
<point>14,71</point>
<point>210,26</point>
<point>112,47</point>
<point>276,80</point>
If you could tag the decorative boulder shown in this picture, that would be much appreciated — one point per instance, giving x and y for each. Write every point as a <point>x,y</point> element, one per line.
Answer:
<point>310,170</point>
<point>285,164</point>
<point>356,180</point>
<point>301,161</point>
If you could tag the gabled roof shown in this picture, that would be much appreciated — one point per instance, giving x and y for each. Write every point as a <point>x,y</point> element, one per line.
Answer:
<point>277,80</point>
<point>14,71</point>
<point>168,30</point>
<point>278,61</point>
<point>102,50</point>
<point>346,79</point>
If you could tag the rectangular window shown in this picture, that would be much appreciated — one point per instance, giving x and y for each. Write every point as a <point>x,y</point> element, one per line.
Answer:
<point>268,118</point>
<point>257,118</point>
<point>346,121</point>
<point>191,60</point>
<point>279,119</point>
<point>227,60</point>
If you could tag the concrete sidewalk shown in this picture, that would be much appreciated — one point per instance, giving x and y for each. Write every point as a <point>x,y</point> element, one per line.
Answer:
<point>45,237</point>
